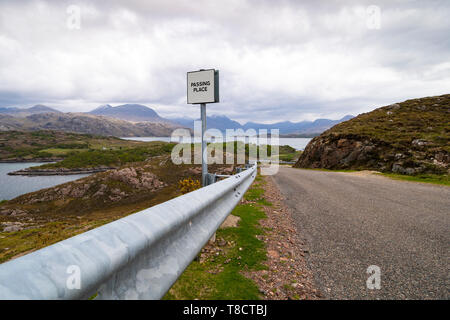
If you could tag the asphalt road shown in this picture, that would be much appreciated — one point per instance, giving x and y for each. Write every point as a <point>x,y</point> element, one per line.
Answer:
<point>351,221</point>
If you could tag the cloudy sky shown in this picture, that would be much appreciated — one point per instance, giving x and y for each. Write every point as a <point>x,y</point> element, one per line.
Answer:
<point>278,60</point>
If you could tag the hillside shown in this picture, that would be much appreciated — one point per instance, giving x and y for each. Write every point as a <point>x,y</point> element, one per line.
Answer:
<point>38,219</point>
<point>138,120</point>
<point>310,128</point>
<point>84,123</point>
<point>411,137</point>
<point>24,112</point>
<point>72,153</point>
<point>129,112</point>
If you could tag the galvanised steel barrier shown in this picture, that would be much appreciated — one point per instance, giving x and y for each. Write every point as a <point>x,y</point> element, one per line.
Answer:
<point>137,257</point>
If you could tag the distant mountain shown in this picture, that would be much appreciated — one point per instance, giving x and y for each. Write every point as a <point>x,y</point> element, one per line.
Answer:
<point>129,112</point>
<point>84,123</point>
<point>217,122</point>
<point>287,127</point>
<point>139,119</point>
<point>185,122</point>
<point>220,122</point>
<point>24,112</point>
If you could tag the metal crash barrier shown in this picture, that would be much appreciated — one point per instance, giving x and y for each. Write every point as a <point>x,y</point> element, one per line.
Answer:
<point>137,257</point>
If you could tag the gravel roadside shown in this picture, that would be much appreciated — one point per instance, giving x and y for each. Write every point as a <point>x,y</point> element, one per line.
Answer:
<point>287,276</point>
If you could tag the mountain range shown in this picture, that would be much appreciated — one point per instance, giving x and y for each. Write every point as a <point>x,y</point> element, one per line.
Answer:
<point>222,123</point>
<point>20,112</point>
<point>138,120</point>
<point>85,123</point>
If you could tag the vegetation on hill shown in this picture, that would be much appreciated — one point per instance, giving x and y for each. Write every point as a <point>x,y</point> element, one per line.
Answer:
<point>28,146</point>
<point>111,158</point>
<point>38,219</point>
<point>86,123</point>
<point>412,137</point>
<point>145,176</point>
<point>75,151</point>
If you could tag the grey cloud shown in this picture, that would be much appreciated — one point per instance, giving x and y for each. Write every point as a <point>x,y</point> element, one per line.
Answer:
<point>283,60</point>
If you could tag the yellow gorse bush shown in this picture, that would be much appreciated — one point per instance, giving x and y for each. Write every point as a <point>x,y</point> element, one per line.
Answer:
<point>189,185</point>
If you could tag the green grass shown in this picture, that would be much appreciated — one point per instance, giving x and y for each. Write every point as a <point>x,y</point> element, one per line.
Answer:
<point>329,170</point>
<point>48,144</point>
<point>59,151</point>
<point>286,157</point>
<point>94,158</point>
<point>219,277</point>
<point>426,178</point>
<point>254,194</point>
<point>266,150</point>
<point>19,242</point>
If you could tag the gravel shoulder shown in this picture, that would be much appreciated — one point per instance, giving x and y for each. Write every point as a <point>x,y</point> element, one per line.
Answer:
<point>352,221</point>
<point>287,276</point>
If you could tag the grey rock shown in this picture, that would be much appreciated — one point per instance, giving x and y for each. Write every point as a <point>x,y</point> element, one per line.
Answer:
<point>12,226</point>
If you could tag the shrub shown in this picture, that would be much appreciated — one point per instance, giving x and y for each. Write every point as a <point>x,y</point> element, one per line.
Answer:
<point>189,185</point>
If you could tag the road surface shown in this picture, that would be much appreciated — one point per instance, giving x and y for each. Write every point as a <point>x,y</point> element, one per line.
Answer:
<point>351,221</point>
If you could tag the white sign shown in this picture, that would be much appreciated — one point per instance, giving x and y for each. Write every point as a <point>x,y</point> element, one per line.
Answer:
<point>202,86</point>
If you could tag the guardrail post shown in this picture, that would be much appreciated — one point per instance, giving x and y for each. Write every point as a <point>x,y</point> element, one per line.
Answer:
<point>210,179</point>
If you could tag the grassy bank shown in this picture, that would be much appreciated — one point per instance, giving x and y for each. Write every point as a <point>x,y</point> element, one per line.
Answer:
<point>426,178</point>
<point>26,146</point>
<point>329,170</point>
<point>15,244</point>
<point>95,158</point>
<point>443,179</point>
<point>217,274</point>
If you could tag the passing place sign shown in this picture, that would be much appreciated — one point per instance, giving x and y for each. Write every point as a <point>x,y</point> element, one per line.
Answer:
<point>203,86</point>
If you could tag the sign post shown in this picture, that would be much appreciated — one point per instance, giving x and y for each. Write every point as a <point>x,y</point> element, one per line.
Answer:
<point>203,88</point>
<point>204,148</point>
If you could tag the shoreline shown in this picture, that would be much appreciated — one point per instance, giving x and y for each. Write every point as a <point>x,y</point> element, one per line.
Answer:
<point>58,171</point>
<point>30,160</point>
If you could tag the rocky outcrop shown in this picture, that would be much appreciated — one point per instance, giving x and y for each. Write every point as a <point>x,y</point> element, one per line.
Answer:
<point>109,186</point>
<point>11,226</point>
<point>339,151</point>
<point>13,212</point>
<point>408,138</point>
<point>136,178</point>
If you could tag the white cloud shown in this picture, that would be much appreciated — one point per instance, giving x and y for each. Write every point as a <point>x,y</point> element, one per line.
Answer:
<point>277,60</point>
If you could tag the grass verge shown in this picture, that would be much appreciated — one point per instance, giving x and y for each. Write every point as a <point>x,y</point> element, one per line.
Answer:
<point>328,170</point>
<point>426,178</point>
<point>218,276</point>
<point>441,179</point>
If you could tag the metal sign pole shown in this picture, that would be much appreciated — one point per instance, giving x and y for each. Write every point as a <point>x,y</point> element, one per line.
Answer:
<point>203,88</point>
<point>204,151</point>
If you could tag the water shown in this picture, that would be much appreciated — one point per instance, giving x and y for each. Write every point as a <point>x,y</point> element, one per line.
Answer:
<point>14,186</point>
<point>297,143</point>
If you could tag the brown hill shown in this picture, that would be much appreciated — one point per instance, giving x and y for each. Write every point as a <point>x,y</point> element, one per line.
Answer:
<point>85,123</point>
<point>409,137</point>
